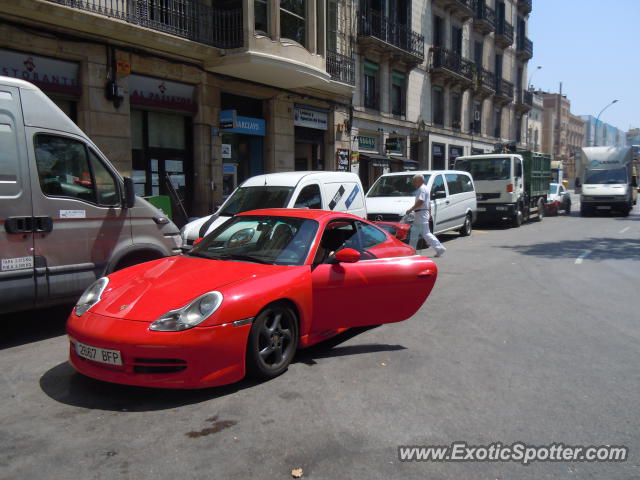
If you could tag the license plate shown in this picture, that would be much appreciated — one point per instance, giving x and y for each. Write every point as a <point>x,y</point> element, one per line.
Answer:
<point>604,207</point>
<point>102,355</point>
<point>482,209</point>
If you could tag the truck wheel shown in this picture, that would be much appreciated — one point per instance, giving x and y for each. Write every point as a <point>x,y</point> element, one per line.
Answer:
<point>465,231</point>
<point>627,210</point>
<point>516,220</point>
<point>540,210</point>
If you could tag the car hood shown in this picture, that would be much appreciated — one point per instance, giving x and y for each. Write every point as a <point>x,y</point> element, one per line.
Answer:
<point>395,205</point>
<point>157,287</point>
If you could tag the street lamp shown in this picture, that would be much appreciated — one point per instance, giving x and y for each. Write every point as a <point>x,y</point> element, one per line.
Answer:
<point>595,133</point>
<point>531,77</point>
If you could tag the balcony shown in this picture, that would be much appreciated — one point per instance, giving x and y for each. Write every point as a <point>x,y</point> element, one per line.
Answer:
<point>524,48</point>
<point>484,20</point>
<point>504,91</point>
<point>451,67</point>
<point>504,34</point>
<point>378,32</point>
<point>190,19</point>
<point>462,9</point>
<point>485,82</point>
<point>341,68</point>
<point>524,100</point>
<point>525,6</point>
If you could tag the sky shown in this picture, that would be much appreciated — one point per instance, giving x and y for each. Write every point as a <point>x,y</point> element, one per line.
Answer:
<point>591,47</point>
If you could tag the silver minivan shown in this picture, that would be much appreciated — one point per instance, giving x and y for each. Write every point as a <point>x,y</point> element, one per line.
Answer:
<point>68,217</point>
<point>453,199</point>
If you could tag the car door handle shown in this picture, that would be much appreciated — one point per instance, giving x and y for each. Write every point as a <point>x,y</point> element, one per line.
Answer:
<point>43,224</point>
<point>425,273</point>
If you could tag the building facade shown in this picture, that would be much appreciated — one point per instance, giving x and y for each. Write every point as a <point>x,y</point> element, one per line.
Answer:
<point>599,133</point>
<point>535,123</point>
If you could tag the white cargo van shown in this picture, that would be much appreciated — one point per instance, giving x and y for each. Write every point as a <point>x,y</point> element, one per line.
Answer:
<point>67,215</point>
<point>453,199</point>
<point>337,191</point>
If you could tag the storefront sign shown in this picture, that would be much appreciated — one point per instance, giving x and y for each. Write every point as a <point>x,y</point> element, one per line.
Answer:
<point>228,119</point>
<point>248,126</point>
<point>310,118</point>
<point>123,68</point>
<point>394,145</point>
<point>226,150</point>
<point>342,160</point>
<point>51,75</point>
<point>158,93</point>
<point>366,143</point>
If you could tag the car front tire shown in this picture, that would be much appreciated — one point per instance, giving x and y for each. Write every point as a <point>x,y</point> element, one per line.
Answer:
<point>467,228</point>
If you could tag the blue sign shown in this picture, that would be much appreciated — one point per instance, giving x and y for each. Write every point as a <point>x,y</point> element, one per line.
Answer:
<point>228,119</point>
<point>246,125</point>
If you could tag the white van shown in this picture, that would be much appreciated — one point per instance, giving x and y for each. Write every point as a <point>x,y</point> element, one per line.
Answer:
<point>337,191</point>
<point>453,199</point>
<point>68,216</point>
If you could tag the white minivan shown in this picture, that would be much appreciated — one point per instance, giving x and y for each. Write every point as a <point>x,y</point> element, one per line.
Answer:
<point>67,216</point>
<point>337,191</point>
<point>453,199</point>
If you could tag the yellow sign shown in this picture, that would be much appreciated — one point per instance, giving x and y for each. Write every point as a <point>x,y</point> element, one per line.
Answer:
<point>123,68</point>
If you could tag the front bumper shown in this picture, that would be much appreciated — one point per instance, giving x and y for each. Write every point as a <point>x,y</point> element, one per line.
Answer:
<point>196,358</point>
<point>496,211</point>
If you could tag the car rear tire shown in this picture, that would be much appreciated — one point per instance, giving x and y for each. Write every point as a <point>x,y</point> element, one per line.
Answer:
<point>273,341</point>
<point>467,228</point>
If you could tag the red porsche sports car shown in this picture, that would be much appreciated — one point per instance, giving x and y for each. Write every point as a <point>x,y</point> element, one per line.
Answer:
<point>244,299</point>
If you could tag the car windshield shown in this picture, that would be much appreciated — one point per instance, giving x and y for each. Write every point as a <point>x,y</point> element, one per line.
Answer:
<point>553,188</point>
<point>394,186</point>
<point>486,168</point>
<point>253,198</point>
<point>609,176</point>
<point>259,239</point>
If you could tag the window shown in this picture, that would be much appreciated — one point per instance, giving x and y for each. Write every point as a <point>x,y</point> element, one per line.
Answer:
<point>335,237</point>
<point>438,106</point>
<point>65,170</point>
<point>498,66</point>
<point>370,85</point>
<point>456,40</point>
<point>398,89</point>
<point>252,198</point>
<point>309,198</point>
<point>438,22</point>
<point>497,122</point>
<point>456,111</point>
<point>438,186</point>
<point>293,20</point>
<point>477,117</point>
<point>478,53</point>
<point>368,236</point>
<point>261,13</point>
<point>458,183</point>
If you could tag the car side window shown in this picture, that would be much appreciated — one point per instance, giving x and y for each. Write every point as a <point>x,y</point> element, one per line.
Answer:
<point>466,182</point>
<point>368,236</point>
<point>454,183</point>
<point>65,170</point>
<point>309,197</point>
<point>336,236</point>
<point>438,186</point>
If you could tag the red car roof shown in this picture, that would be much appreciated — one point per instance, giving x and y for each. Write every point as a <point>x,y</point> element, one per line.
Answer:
<point>300,213</point>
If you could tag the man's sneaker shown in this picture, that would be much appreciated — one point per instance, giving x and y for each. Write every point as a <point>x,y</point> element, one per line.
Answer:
<point>440,252</point>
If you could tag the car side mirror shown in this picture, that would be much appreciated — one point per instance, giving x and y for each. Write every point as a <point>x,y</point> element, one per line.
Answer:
<point>129,193</point>
<point>347,255</point>
<point>440,194</point>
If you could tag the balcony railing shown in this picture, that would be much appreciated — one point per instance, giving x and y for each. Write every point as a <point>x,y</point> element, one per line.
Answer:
<point>341,68</point>
<point>524,97</point>
<point>485,16</point>
<point>452,62</point>
<point>504,33</point>
<point>373,24</point>
<point>525,5</point>
<point>525,47</point>
<point>190,19</point>
<point>504,88</point>
<point>486,79</point>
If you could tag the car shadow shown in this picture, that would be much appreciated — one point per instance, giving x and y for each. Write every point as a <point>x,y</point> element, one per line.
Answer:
<point>602,248</point>
<point>21,328</point>
<point>64,385</point>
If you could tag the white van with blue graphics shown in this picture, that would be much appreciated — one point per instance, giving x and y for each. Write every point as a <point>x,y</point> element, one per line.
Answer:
<point>335,191</point>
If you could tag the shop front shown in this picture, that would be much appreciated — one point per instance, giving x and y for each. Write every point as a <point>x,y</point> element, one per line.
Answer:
<point>310,125</point>
<point>59,79</point>
<point>455,151</point>
<point>438,156</point>
<point>396,148</point>
<point>161,134</point>
<point>371,163</point>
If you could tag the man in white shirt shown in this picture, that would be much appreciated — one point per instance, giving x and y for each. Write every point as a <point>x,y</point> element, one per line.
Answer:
<point>422,208</point>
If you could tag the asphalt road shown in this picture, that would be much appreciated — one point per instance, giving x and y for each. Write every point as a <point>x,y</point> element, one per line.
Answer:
<point>530,335</point>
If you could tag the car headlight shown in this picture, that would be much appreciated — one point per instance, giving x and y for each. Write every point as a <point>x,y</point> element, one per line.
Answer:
<point>190,315</point>
<point>91,296</point>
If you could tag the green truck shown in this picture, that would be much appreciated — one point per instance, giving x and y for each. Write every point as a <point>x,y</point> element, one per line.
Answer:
<point>509,186</point>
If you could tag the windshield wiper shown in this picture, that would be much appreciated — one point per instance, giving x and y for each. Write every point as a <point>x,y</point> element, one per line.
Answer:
<point>246,258</point>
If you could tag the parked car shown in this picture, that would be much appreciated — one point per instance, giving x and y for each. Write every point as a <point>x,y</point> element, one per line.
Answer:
<point>244,299</point>
<point>69,217</point>
<point>558,199</point>
<point>453,199</point>
<point>333,191</point>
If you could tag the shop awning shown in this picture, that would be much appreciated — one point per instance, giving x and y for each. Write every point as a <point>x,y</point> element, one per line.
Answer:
<point>374,159</point>
<point>407,163</point>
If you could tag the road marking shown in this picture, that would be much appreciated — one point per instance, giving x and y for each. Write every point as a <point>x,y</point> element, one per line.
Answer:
<point>624,229</point>
<point>582,256</point>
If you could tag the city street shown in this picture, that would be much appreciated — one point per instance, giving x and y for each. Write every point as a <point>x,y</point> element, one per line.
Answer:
<point>529,335</point>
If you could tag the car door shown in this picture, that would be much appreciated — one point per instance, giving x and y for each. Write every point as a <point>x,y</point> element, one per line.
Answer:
<point>81,196</point>
<point>457,198</point>
<point>371,291</point>
<point>17,282</point>
<point>440,207</point>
